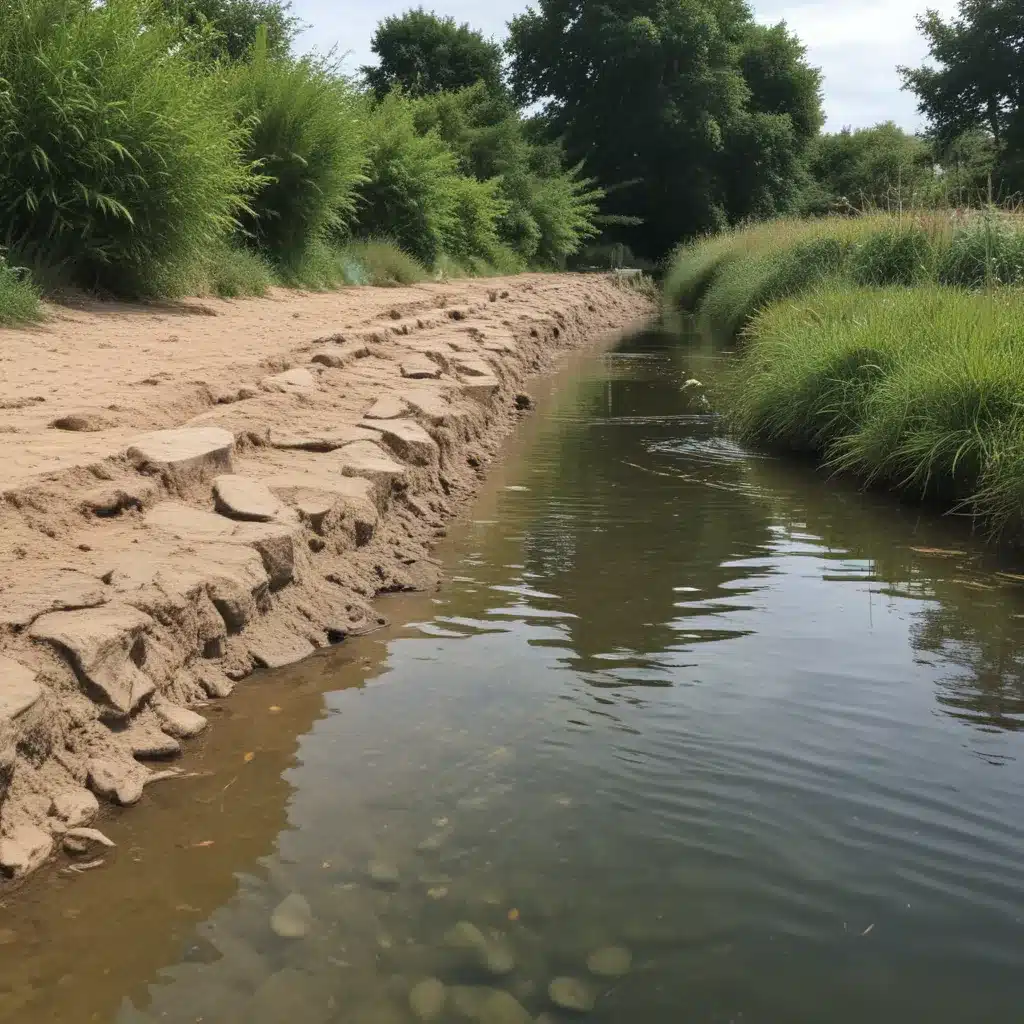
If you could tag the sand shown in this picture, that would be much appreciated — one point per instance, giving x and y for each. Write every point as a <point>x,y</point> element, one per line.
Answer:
<point>196,491</point>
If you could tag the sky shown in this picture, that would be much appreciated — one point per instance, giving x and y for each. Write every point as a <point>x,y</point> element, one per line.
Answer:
<point>856,43</point>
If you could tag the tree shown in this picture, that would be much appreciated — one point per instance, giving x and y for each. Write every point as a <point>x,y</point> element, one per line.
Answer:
<point>423,54</point>
<point>977,81</point>
<point>656,93</point>
<point>880,166</point>
<point>232,25</point>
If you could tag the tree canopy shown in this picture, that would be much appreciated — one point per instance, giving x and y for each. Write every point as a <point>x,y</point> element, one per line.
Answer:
<point>232,25</point>
<point>693,114</point>
<point>975,80</point>
<point>423,54</point>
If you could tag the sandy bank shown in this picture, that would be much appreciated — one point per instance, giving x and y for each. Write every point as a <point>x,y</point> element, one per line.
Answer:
<point>194,492</point>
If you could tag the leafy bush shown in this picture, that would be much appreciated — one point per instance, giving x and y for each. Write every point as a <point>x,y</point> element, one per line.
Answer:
<point>120,160</point>
<point>19,301</point>
<point>307,140</point>
<point>411,193</point>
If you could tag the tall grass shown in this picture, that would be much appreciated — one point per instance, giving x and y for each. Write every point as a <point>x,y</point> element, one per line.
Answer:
<point>727,279</point>
<point>119,158</point>
<point>919,389</point>
<point>19,301</point>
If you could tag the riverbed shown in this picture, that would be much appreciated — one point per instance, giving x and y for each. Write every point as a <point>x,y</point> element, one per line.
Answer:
<point>706,733</point>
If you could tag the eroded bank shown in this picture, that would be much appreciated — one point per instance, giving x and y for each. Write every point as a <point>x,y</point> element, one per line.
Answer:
<point>292,478</point>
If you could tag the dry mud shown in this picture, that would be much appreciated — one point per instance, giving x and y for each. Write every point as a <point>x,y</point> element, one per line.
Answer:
<point>196,492</point>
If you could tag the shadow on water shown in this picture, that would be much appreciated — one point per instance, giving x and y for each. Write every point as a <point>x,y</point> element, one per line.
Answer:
<point>753,727</point>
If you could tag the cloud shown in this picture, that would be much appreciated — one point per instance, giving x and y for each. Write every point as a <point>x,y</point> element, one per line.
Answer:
<point>858,47</point>
<point>856,44</point>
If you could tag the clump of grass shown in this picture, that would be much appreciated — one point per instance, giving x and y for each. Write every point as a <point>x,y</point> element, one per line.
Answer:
<point>919,389</point>
<point>120,158</point>
<point>988,250</point>
<point>19,300</point>
<point>381,262</point>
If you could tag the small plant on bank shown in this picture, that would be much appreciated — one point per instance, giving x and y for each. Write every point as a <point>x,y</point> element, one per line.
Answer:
<point>19,301</point>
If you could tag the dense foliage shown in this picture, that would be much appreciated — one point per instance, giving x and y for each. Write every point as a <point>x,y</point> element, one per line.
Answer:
<point>974,80</point>
<point>227,29</point>
<point>697,113</point>
<point>422,53</point>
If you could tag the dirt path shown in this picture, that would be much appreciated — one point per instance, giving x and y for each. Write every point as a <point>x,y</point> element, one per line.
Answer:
<point>193,492</point>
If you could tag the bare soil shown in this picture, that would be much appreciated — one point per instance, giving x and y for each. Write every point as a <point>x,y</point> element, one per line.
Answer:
<point>195,491</point>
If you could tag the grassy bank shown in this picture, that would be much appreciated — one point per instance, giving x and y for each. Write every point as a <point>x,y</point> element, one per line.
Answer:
<point>140,159</point>
<point>891,349</point>
<point>727,279</point>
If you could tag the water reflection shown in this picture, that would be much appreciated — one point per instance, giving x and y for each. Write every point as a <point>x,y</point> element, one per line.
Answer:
<point>752,730</point>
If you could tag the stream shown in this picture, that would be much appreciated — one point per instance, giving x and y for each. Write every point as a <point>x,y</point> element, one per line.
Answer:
<point>696,733</point>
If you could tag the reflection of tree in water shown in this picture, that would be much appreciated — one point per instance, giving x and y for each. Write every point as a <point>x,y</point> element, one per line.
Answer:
<point>618,500</point>
<point>971,619</point>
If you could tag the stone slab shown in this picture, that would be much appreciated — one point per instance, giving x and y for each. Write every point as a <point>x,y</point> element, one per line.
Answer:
<point>296,381</point>
<point>100,643</point>
<point>370,461</point>
<point>410,442</point>
<point>48,589</point>
<point>185,450</point>
<point>279,652</point>
<point>19,689</point>
<point>327,439</point>
<point>386,408</point>
<point>242,497</point>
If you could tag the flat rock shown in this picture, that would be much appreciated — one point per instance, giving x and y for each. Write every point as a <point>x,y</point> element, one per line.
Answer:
<point>465,935</point>
<point>297,381</point>
<point>115,498</point>
<point>213,681</point>
<point>386,408</point>
<point>430,405</point>
<point>426,999</point>
<point>116,781</point>
<point>610,962</point>
<point>292,917</point>
<point>80,841</point>
<point>75,807</point>
<point>487,1005</point>
<point>481,389</point>
<point>48,589</point>
<point>370,461</point>
<point>24,849</point>
<point>383,873</point>
<point>100,642</point>
<point>341,355</point>
<point>241,497</point>
<point>178,721</point>
<point>189,524</point>
<point>279,652</point>
<point>146,742</point>
<point>315,495</point>
<point>19,689</point>
<point>409,441</point>
<point>572,994</point>
<point>184,451</point>
<point>420,368</point>
<point>327,439</point>
<point>467,366</point>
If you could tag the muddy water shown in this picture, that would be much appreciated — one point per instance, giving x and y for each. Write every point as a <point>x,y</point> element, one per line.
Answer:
<point>757,732</point>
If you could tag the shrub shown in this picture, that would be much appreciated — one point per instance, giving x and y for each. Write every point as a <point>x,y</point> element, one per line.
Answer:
<point>381,262</point>
<point>307,141</point>
<point>120,159</point>
<point>19,301</point>
<point>410,193</point>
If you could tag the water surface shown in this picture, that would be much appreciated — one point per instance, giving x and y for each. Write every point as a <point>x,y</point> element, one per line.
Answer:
<point>753,726</point>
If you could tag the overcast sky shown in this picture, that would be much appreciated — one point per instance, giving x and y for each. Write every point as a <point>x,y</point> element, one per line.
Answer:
<point>857,43</point>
